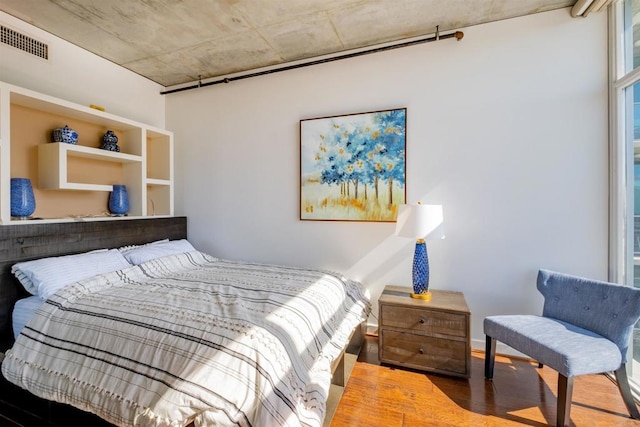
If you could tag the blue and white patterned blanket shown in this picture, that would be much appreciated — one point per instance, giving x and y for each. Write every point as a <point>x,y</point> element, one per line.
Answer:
<point>191,338</point>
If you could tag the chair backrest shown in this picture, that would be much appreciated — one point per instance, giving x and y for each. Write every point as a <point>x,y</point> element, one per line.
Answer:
<point>608,309</point>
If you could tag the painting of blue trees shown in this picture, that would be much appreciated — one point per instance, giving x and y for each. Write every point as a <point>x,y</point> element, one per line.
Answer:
<point>353,166</point>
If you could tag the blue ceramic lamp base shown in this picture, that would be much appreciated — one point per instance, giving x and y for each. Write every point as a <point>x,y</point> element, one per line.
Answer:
<point>421,272</point>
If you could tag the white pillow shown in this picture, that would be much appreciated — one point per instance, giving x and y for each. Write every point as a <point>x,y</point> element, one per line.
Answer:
<point>25,279</point>
<point>23,310</point>
<point>45,276</point>
<point>154,250</point>
<point>129,247</point>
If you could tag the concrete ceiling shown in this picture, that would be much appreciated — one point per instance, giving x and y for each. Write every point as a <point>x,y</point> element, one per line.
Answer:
<point>179,41</point>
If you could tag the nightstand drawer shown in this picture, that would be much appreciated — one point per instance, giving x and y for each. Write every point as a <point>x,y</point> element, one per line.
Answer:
<point>422,352</point>
<point>423,321</point>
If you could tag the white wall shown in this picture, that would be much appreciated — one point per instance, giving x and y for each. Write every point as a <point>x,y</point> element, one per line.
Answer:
<point>76,75</point>
<point>506,128</point>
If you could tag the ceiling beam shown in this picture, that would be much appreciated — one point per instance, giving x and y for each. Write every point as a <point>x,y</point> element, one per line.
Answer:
<point>585,7</point>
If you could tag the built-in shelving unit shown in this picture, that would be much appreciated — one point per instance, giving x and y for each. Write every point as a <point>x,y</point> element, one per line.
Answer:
<point>73,181</point>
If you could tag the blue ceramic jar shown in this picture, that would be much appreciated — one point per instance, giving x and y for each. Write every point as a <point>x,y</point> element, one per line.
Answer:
<point>64,134</point>
<point>110,141</point>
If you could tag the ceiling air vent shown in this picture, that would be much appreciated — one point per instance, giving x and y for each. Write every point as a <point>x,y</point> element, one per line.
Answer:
<point>23,42</point>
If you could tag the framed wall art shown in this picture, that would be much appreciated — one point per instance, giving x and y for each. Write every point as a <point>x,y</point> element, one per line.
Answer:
<point>352,167</point>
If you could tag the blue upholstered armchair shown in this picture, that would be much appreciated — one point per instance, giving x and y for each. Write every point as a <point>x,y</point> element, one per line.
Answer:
<point>585,328</point>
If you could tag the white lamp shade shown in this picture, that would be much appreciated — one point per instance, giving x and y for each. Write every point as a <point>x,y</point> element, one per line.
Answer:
<point>419,221</point>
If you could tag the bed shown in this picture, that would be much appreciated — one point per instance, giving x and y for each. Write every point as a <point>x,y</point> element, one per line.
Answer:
<point>184,338</point>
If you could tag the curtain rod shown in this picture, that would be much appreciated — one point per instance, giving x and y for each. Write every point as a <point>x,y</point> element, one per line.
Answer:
<point>458,35</point>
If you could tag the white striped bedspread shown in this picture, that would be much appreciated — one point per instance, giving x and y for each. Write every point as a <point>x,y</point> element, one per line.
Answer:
<point>191,338</point>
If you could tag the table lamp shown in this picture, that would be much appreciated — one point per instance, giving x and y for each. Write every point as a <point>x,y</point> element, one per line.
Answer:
<point>417,222</point>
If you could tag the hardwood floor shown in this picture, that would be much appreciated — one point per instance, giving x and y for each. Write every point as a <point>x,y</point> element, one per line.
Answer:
<point>520,394</point>
<point>384,396</point>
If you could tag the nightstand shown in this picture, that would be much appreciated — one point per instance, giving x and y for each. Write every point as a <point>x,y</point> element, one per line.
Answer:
<point>432,336</point>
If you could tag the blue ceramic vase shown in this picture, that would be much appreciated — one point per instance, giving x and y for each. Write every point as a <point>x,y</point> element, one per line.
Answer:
<point>110,142</point>
<point>420,268</point>
<point>119,200</point>
<point>23,202</point>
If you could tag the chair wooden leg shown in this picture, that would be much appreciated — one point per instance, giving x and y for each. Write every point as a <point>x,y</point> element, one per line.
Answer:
<point>625,391</point>
<point>565,391</point>
<point>489,357</point>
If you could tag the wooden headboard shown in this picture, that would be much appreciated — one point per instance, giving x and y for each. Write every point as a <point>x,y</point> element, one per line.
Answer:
<point>31,241</point>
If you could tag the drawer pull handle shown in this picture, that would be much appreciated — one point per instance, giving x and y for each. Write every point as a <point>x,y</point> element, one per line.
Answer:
<point>422,320</point>
<point>421,351</point>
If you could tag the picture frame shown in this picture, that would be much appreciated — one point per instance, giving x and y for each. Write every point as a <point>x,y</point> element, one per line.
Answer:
<point>353,166</point>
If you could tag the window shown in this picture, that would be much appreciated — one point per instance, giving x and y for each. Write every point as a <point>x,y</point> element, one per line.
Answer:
<point>625,152</point>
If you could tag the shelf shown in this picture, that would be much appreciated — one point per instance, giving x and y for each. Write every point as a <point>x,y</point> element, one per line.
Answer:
<point>82,219</point>
<point>160,182</point>
<point>41,102</point>
<point>53,161</point>
<point>92,153</point>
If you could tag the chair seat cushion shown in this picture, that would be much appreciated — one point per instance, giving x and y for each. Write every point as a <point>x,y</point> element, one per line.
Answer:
<point>566,348</point>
